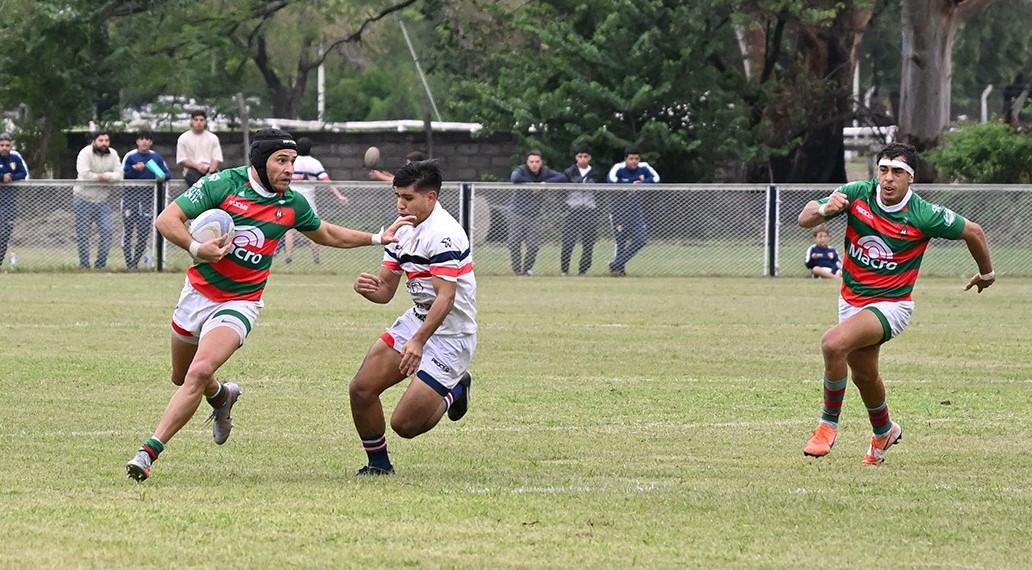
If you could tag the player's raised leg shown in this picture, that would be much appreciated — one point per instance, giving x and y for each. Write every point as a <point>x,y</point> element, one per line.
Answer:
<point>864,365</point>
<point>861,330</point>
<point>379,371</point>
<point>213,351</point>
<point>425,402</point>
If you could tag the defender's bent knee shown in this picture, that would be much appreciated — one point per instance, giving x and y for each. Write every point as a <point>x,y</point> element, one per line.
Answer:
<point>405,428</point>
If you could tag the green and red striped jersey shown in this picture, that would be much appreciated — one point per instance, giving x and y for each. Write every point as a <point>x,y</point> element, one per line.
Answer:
<point>262,218</point>
<point>884,245</point>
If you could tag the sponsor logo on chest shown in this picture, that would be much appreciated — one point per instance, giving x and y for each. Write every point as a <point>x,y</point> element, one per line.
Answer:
<point>873,252</point>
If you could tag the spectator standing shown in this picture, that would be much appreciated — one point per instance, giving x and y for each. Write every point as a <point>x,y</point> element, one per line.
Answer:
<point>525,211</point>
<point>97,162</point>
<point>198,150</point>
<point>627,212</point>
<point>12,169</point>
<point>138,202</point>
<point>581,220</point>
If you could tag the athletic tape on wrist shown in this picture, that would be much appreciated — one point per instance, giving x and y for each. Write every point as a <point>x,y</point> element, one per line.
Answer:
<point>823,210</point>
<point>988,276</point>
<point>897,164</point>
<point>194,246</point>
<point>377,238</point>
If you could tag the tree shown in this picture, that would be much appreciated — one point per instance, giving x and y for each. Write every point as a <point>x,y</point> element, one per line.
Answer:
<point>929,32</point>
<point>803,55</point>
<point>989,153</point>
<point>667,75</point>
<point>302,48</point>
<point>61,63</point>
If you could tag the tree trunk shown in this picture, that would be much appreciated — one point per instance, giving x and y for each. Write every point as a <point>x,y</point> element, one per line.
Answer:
<point>829,53</point>
<point>929,31</point>
<point>824,59</point>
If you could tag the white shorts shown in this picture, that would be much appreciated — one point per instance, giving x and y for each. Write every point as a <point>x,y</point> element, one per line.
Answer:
<point>196,315</point>
<point>894,315</point>
<point>309,194</point>
<point>445,358</point>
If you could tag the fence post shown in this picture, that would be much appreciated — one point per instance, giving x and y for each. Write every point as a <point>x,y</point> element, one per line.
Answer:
<point>159,240</point>
<point>466,209</point>
<point>772,233</point>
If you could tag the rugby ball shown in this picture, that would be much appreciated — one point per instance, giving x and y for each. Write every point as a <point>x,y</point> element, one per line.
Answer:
<point>372,157</point>
<point>211,224</point>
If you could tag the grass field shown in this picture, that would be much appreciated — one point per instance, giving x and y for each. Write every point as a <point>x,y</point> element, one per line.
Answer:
<point>652,423</point>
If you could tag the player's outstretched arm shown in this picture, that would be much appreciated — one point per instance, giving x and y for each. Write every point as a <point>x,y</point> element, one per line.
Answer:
<point>378,289</point>
<point>814,213</point>
<point>339,236</point>
<point>974,236</point>
<point>171,222</point>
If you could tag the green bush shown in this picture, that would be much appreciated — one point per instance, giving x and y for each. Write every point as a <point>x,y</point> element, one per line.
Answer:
<point>987,153</point>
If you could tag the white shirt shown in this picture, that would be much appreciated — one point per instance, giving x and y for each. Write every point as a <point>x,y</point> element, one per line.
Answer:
<point>308,168</point>
<point>437,247</point>
<point>203,148</point>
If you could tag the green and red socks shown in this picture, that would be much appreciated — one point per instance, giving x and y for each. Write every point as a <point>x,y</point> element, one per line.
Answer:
<point>153,447</point>
<point>834,393</point>
<point>376,448</point>
<point>881,423</point>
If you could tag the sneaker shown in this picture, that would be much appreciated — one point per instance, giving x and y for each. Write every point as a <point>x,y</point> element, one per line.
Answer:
<point>822,440</point>
<point>374,471</point>
<point>139,467</point>
<point>220,419</point>
<point>879,445</point>
<point>459,407</point>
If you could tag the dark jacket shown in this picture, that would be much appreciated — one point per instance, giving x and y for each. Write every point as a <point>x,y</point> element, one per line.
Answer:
<point>527,202</point>
<point>14,165</point>
<point>594,176</point>
<point>582,198</point>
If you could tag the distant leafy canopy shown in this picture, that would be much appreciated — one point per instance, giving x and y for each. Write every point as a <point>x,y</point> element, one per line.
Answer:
<point>988,153</point>
<point>581,72</point>
<point>58,62</point>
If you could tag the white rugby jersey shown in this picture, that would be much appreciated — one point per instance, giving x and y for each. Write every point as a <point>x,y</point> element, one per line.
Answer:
<point>308,168</point>
<point>437,248</point>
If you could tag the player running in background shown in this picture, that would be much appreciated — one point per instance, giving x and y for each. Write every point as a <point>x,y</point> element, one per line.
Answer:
<point>435,339</point>
<point>888,228</point>
<point>307,168</point>
<point>222,296</point>
<point>821,259</point>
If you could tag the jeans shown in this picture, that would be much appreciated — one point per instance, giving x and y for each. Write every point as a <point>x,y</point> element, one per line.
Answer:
<point>140,224</point>
<point>6,228</point>
<point>523,229</point>
<point>582,221</point>
<point>630,234</point>
<point>86,215</point>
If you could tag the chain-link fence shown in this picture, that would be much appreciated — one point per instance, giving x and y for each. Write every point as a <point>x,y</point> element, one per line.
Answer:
<point>365,206</point>
<point>69,224</point>
<point>543,229</point>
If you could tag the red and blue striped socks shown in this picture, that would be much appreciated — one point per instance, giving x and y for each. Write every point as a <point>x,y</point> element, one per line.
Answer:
<point>376,448</point>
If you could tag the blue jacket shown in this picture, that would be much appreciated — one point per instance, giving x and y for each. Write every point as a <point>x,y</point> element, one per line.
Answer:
<point>527,202</point>
<point>817,256</point>
<point>14,165</point>
<point>627,207</point>
<point>135,157</point>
